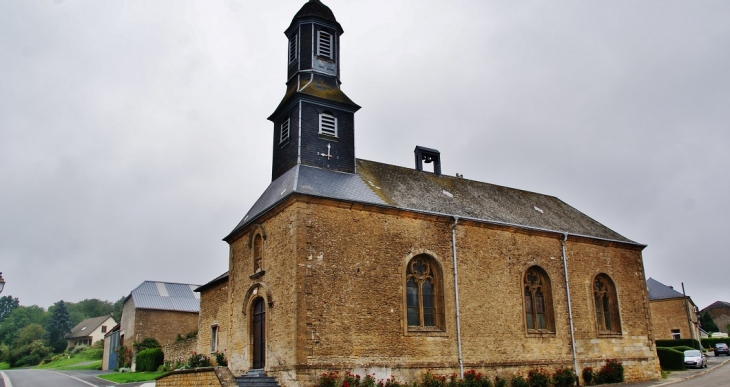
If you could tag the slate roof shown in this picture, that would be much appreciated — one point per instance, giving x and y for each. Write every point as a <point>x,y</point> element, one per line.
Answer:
<point>717,304</point>
<point>659,291</point>
<point>213,282</point>
<point>166,296</point>
<point>315,8</point>
<point>85,327</point>
<point>404,188</point>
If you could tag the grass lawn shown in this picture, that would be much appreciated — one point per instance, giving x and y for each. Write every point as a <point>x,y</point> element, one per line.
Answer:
<point>130,377</point>
<point>4,366</point>
<point>87,360</point>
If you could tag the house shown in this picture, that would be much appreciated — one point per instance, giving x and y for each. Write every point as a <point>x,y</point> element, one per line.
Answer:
<point>110,357</point>
<point>720,313</point>
<point>160,310</point>
<point>346,264</point>
<point>673,316</point>
<point>89,331</point>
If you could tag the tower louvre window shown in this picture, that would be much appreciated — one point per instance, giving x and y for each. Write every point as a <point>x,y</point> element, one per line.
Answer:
<point>284,133</point>
<point>328,124</point>
<point>324,44</point>
<point>293,49</point>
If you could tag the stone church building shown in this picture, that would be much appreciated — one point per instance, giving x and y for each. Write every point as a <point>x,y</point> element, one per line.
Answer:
<point>346,264</point>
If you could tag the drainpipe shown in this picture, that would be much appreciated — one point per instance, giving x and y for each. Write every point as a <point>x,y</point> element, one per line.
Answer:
<point>570,307</point>
<point>456,295</point>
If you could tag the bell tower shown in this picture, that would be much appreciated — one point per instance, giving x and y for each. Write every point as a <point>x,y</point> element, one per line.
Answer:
<point>314,123</point>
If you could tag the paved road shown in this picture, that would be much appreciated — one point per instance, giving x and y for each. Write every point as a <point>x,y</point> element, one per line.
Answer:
<point>48,378</point>
<point>717,374</point>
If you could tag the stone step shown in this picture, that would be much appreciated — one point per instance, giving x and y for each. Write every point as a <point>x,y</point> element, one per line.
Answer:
<point>256,378</point>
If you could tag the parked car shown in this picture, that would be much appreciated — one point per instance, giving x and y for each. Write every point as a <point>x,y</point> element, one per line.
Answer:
<point>695,358</point>
<point>721,348</point>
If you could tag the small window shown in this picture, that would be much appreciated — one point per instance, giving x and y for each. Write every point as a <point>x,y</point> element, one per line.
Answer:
<point>103,329</point>
<point>328,124</point>
<point>324,44</point>
<point>293,49</point>
<point>606,304</point>
<point>675,334</point>
<point>284,132</point>
<point>258,252</point>
<point>214,338</point>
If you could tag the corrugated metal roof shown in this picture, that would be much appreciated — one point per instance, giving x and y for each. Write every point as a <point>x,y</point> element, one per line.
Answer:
<point>659,291</point>
<point>408,189</point>
<point>166,296</point>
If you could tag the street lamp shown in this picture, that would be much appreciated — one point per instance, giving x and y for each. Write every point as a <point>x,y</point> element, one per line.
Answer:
<point>2,282</point>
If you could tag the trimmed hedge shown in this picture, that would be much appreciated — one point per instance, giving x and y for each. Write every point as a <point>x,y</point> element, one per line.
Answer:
<point>150,359</point>
<point>694,344</point>
<point>670,359</point>
<point>683,348</point>
<point>709,342</point>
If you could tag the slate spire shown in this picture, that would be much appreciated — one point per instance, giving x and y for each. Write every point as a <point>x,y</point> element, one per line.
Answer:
<point>314,122</point>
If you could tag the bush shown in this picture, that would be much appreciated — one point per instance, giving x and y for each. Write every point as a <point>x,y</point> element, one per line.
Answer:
<point>519,381</point>
<point>683,348</point>
<point>677,342</point>
<point>564,377</point>
<point>670,359</point>
<point>146,344</point>
<point>94,353</point>
<point>149,360</point>
<point>28,360</point>
<point>220,359</point>
<point>538,378</point>
<point>73,351</point>
<point>499,382</point>
<point>611,372</point>
<point>588,376</point>
<point>710,342</point>
<point>196,361</point>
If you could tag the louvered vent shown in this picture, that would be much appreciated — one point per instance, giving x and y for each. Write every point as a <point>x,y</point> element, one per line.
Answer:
<point>293,48</point>
<point>284,134</point>
<point>328,124</point>
<point>324,44</point>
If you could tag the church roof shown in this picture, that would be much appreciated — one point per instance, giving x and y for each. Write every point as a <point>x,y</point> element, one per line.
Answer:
<point>315,8</point>
<point>659,291</point>
<point>408,189</point>
<point>317,88</point>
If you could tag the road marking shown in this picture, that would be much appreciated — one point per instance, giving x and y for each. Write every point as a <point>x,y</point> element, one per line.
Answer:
<point>73,377</point>
<point>6,380</point>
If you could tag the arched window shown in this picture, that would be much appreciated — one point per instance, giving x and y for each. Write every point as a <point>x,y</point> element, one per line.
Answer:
<point>606,304</point>
<point>424,293</point>
<point>538,301</point>
<point>258,252</point>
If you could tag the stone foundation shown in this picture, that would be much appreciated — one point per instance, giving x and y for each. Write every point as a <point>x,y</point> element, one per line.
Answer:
<point>199,377</point>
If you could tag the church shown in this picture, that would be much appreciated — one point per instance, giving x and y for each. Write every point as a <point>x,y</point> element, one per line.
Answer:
<point>346,264</point>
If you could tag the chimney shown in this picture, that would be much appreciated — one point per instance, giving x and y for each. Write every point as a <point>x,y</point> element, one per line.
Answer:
<point>428,155</point>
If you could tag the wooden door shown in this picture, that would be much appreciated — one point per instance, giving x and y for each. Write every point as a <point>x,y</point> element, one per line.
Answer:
<point>259,333</point>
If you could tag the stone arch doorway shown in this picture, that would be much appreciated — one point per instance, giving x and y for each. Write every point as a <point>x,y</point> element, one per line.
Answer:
<point>258,333</point>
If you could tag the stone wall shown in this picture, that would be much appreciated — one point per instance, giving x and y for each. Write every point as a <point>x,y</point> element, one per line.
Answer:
<point>199,377</point>
<point>721,317</point>
<point>335,285</point>
<point>213,312</point>
<point>670,314</point>
<point>163,325</point>
<point>180,350</point>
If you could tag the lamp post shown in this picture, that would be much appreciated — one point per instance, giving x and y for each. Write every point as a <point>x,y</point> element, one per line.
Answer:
<point>2,282</point>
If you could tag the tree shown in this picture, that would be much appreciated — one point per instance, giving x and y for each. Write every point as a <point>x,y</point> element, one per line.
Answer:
<point>21,317</point>
<point>7,304</point>
<point>29,334</point>
<point>88,308</point>
<point>118,306</point>
<point>707,323</point>
<point>58,325</point>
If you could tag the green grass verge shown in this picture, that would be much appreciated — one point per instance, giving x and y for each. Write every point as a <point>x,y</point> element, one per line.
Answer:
<point>87,360</point>
<point>4,366</point>
<point>131,377</point>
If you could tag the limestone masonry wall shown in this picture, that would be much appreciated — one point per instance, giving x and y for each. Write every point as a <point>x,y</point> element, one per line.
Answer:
<point>163,325</point>
<point>335,282</point>
<point>213,312</point>
<point>667,315</point>
<point>180,350</point>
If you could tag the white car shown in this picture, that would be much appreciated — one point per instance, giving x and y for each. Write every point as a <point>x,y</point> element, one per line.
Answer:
<point>695,358</point>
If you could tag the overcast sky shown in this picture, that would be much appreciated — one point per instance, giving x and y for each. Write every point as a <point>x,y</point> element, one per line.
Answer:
<point>133,134</point>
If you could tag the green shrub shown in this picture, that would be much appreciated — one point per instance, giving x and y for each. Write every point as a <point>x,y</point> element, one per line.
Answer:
<point>197,360</point>
<point>677,342</point>
<point>146,344</point>
<point>220,359</point>
<point>538,378</point>
<point>683,348</point>
<point>588,376</point>
<point>564,377</point>
<point>519,381</point>
<point>73,351</point>
<point>670,359</point>
<point>710,342</point>
<point>611,372</point>
<point>150,359</point>
<point>500,382</point>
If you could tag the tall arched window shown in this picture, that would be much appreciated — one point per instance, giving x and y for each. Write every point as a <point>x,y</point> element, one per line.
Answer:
<point>606,304</point>
<point>424,293</point>
<point>538,301</point>
<point>258,252</point>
